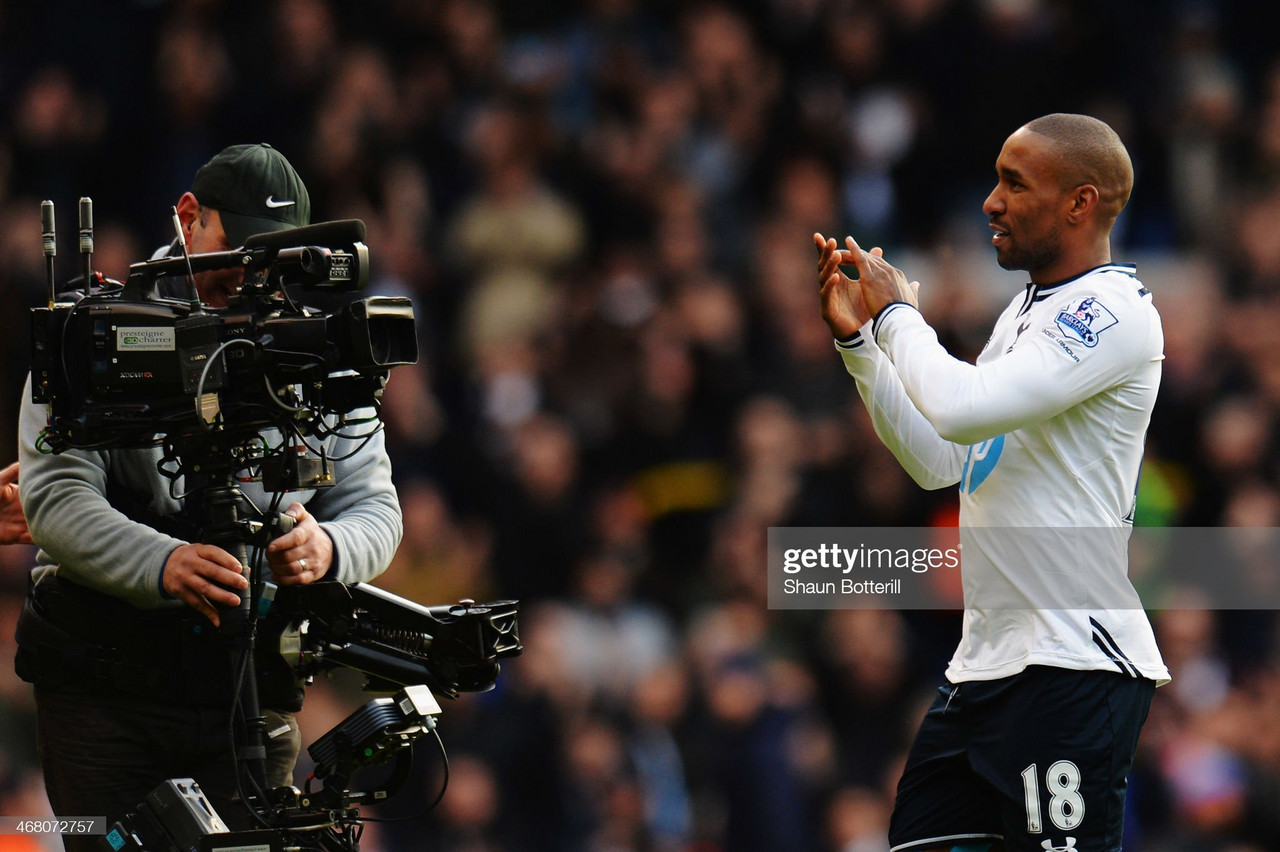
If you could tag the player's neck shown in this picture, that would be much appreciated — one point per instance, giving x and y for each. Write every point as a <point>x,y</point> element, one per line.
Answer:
<point>1072,265</point>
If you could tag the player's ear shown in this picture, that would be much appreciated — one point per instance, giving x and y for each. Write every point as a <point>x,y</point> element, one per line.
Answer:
<point>1082,203</point>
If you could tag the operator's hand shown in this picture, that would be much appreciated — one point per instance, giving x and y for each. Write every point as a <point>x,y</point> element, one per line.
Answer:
<point>843,307</point>
<point>200,575</point>
<point>13,524</point>
<point>882,283</point>
<point>302,555</point>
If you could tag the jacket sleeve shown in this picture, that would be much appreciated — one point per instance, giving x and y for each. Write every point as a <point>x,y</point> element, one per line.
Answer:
<point>78,531</point>
<point>1050,370</point>
<point>927,457</point>
<point>361,512</point>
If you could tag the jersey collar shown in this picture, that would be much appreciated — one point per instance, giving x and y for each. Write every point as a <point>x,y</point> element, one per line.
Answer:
<point>1040,292</point>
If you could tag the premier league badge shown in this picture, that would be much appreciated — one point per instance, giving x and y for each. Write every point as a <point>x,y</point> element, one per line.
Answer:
<point>1085,320</point>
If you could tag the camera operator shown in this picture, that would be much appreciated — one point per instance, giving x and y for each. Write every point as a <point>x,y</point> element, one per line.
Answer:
<point>133,683</point>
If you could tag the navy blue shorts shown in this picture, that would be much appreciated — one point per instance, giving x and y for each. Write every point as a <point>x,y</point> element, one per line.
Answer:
<point>1040,756</point>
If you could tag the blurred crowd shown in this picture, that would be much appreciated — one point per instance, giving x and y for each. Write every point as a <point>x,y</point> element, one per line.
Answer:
<point>602,210</point>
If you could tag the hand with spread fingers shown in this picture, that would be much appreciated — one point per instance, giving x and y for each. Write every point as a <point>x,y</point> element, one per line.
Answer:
<point>880,282</point>
<point>843,306</point>
<point>13,524</point>
<point>302,555</point>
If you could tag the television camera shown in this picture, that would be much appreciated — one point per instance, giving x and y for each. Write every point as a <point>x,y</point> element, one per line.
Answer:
<point>245,393</point>
<point>121,363</point>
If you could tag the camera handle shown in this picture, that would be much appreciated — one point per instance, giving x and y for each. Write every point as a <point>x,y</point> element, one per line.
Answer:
<point>223,526</point>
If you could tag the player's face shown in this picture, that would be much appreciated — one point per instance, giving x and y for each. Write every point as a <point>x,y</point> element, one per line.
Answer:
<point>216,285</point>
<point>1024,207</point>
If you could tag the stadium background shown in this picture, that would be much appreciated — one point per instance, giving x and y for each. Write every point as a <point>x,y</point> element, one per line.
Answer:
<point>603,211</point>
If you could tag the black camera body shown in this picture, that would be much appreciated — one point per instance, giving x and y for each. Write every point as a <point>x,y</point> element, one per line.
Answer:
<point>124,362</point>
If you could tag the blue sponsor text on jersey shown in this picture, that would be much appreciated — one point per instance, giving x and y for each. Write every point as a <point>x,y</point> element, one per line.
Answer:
<point>979,463</point>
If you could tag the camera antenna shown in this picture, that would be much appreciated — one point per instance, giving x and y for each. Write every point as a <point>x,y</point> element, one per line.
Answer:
<point>50,247</point>
<point>191,276</point>
<point>86,240</point>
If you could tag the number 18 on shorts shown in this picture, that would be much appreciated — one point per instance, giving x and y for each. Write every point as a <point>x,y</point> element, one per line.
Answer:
<point>1037,760</point>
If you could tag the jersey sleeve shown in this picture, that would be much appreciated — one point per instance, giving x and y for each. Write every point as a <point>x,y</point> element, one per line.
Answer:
<point>930,460</point>
<point>1083,344</point>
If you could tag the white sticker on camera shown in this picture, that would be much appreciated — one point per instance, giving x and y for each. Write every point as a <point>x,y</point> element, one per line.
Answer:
<point>144,339</point>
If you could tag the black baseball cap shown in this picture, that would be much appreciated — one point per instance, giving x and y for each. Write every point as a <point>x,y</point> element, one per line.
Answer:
<point>254,190</point>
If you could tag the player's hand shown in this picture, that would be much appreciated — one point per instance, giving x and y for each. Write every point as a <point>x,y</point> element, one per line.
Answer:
<point>302,555</point>
<point>843,306</point>
<point>882,282</point>
<point>13,524</point>
<point>201,575</point>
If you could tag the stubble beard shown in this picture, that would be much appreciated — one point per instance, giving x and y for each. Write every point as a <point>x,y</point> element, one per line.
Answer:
<point>1042,255</point>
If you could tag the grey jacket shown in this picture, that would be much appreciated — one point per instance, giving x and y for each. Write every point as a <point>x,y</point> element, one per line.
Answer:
<point>83,538</point>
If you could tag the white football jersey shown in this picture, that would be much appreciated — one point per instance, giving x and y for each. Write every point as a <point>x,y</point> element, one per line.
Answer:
<point>1044,435</point>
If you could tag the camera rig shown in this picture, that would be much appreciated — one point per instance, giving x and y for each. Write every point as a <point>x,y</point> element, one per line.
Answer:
<point>121,363</point>
<point>143,364</point>
<point>412,651</point>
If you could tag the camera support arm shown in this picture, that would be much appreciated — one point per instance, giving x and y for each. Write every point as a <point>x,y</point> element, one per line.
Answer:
<point>213,485</point>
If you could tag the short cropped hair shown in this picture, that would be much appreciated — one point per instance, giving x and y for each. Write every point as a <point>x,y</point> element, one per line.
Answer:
<point>1091,152</point>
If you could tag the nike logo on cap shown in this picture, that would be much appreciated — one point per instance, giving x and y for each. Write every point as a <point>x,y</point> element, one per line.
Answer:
<point>272,203</point>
